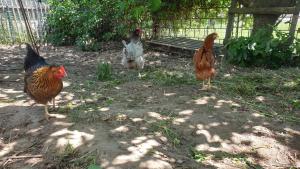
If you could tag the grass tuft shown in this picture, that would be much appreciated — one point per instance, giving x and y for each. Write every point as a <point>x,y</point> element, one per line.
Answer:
<point>170,78</point>
<point>104,72</point>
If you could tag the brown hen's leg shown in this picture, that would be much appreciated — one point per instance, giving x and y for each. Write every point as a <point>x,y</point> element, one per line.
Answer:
<point>209,85</point>
<point>53,101</point>
<point>203,85</point>
<point>46,112</point>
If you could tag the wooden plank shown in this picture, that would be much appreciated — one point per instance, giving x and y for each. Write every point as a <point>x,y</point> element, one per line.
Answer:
<point>169,45</point>
<point>17,30</point>
<point>230,23</point>
<point>270,10</point>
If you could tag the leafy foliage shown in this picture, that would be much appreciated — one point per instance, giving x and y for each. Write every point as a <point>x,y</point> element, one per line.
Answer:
<point>87,22</point>
<point>262,50</point>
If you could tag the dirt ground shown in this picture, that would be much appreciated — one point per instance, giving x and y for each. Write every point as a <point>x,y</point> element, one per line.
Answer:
<point>149,122</point>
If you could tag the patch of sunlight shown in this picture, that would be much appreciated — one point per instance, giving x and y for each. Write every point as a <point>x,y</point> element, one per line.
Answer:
<point>32,131</point>
<point>220,103</point>
<point>103,109</point>
<point>75,138</point>
<point>66,83</point>
<point>290,84</point>
<point>64,124</point>
<point>227,75</point>
<point>204,100</point>
<point>34,161</point>
<point>154,164</point>
<point>291,131</point>
<point>209,137</point>
<point>200,126</point>
<point>213,124</point>
<point>7,149</point>
<point>186,112</point>
<point>3,95</point>
<point>12,91</point>
<point>257,115</point>
<point>178,121</point>
<point>137,152</point>
<point>155,115</point>
<point>169,94</point>
<point>68,96</point>
<point>262,129</point>
<point>21,95</point>
<point>121,129</point>
<point>260,98</point>
<point>6,77</point>
<point>139,140</point>
<point>136,119</point>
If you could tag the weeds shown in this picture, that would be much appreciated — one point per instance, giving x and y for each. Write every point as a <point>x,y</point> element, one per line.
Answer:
<point>199,156</point>
<point>104,71</point>
<point>164,126</point>
<point>170,78</point>
<point>279,90</point>
<point>70,158</point>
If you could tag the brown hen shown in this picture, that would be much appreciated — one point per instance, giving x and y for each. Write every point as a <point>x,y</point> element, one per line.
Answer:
<point>204,60</point>
<point>42,82</point>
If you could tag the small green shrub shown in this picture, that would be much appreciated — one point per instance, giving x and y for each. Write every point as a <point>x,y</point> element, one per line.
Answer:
<point>199,156</point>
<point>86,43</point>
<point>104,71</point>
<point>262,50</point>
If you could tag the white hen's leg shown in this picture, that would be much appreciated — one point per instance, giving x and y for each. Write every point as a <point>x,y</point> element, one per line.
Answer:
<point>209,85</point>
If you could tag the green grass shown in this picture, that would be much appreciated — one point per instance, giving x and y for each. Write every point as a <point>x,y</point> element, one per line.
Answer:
<point>104,72</point>
<point>71,158</point>
<point>280,90</point>
<point>165,127</point>
<point>201,156</point>
<point>169,78</point>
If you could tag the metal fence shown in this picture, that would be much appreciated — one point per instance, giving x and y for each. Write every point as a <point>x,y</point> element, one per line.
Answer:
<point>12,25</point>
<point>200,24</point>
<point>195,26</point>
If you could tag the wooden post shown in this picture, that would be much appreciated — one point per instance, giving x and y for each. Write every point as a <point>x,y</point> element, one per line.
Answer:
<point>230,22</point>
<point>294,23</point>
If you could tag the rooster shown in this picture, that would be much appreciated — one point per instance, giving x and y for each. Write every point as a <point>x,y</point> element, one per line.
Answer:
<point>132,54</point>
<point>204,60</point>
<point>42,82</point>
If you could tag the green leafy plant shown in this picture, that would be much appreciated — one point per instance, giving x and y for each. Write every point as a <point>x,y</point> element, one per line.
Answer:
<point>199,156</point>
<point>93,166</point>
<point>104,71</point>
<point>87,43</point>
<point>85,22</point>
<point>261,50</point>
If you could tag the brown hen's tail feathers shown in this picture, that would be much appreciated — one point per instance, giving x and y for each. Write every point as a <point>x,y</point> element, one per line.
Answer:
<point>32,59</point>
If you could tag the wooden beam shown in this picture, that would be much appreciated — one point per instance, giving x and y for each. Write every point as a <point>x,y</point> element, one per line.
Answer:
<point>271,10</point>
<point>230,21</point>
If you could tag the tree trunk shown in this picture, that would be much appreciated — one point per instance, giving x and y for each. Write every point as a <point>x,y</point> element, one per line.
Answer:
<point>263,21</point>
<point>155,26</point>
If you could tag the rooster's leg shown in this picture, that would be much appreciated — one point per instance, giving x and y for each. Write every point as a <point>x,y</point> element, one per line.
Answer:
<point>46,113</point>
